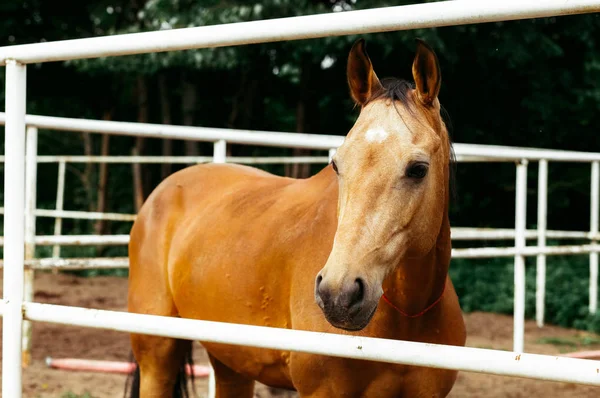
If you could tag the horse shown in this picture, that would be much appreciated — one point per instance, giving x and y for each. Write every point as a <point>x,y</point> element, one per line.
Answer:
<point>361,248</point>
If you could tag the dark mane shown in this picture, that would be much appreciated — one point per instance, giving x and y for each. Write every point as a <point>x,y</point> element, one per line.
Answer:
<point>395,89</point>
<point>398,90</point>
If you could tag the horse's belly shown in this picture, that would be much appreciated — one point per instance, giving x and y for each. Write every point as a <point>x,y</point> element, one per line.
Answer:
<point>269,367</point>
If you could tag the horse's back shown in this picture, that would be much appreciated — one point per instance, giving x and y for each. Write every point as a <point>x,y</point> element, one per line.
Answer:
<point>173,205</point>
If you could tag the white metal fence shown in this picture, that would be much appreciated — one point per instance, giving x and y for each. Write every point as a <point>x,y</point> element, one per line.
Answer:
<point>16,306</point>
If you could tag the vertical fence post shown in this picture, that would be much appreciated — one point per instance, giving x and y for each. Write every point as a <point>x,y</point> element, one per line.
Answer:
<point>519,280</point>
<point>30,204</point>
<point>212,384</point>
<point>332,153</point>
<point>220,151</point>
<point>14,226</point>
<point>540,292</point>
<point>60,195</point>
<point>595,188</point>
<point>219,156</point>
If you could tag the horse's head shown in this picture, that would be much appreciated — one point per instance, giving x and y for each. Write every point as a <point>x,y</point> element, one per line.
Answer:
<point>393,186</point>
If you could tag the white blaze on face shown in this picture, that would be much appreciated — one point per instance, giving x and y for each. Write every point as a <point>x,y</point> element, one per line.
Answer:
<point>376,134</point>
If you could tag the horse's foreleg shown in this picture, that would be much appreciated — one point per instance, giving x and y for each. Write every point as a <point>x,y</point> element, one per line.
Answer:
<point>160,360</point>
<point>230,384</point>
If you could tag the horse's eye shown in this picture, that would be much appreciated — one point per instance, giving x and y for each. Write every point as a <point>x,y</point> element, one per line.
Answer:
<point>334,166</point>
<point>417,170</point>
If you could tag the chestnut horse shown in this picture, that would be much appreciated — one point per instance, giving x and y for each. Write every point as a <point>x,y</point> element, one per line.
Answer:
<point>361,248</point>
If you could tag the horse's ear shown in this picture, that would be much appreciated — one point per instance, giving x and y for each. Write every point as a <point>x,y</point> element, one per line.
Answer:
<point>362,80</point>
<point>426,72</point>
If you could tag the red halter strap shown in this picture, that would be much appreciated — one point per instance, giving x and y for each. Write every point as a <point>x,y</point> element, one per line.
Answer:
<point>387,300</point>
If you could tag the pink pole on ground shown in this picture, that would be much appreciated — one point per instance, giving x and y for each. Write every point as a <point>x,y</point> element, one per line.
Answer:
<point>90,365</point>
<point>584,355</point>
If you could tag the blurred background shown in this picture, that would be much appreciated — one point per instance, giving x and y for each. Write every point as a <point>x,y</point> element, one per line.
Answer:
<point>531,83</point>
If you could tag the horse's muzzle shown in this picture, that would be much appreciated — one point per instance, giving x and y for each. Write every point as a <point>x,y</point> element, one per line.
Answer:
<point>345,305</point>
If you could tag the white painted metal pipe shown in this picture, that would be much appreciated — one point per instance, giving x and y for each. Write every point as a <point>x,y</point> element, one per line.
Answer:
<point>468,359</point>
<point>212,383</point>
<point>489,252</point>
<point>277,160</point>
<point>520,243</point>
<point>466,233</point>
<point>76,263</point>
<point>122,159</point>
<point>481,159</point>
<point>458,233</point>
<point>85,215</point>
<point>517,153</point>
<point>540,292</point>
<point>14,223</point>
<point>292,140</point>
<point>31,140</point>
<point>179,159</point>
<point>417,16</point>
<point>594,208</point>
<point>332,152</point>
<point>78,240</point>
<point>220,151</point>
<point>60,195</point>
<point>98,263</point>
<point>230,159</point>
<point>250,137</point>
<point>82,215</point>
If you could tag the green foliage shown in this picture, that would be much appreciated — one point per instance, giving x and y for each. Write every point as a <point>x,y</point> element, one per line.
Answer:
<point>73,395</point>
<point>565,345</point>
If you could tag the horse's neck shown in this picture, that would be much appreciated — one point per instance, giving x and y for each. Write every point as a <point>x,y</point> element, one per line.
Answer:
<point>418,282</point>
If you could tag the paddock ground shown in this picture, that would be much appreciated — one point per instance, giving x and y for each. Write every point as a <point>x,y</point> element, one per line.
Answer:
<point>484,330</point>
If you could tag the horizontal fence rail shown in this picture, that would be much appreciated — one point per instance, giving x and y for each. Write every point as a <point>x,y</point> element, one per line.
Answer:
<point>458,233</point>
<point>465,152</point>
<point>415,16</point>
<point>479,360</point>
<point>178,159</point>
<point>75,263</point>
<point>108,263</point>
<point>78,240</point>
<point>463,233</point>
<point>80,215</point>
<point>208,134</point>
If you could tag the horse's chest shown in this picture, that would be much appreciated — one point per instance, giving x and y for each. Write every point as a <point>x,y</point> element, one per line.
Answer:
<point>336,377</point>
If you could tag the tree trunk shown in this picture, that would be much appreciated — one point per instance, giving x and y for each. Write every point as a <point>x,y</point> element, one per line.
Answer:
<point>138,195</point>
<point>303,113</point>
<point>138,184</point>
<point>101,226</point>
<point>88,171</point>
<point>165,109</point>
<point>298,170</point>
<point>189,109</point>
<point>102,181</point>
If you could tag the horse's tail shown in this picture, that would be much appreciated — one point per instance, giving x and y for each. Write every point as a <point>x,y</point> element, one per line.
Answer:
<point>180,389</point>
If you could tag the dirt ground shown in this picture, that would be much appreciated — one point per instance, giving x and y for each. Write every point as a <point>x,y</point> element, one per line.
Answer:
<point>484,331</point>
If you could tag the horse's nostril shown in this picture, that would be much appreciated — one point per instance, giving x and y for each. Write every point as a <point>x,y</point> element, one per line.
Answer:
<point>322,291</point>
<point>359,293</point>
